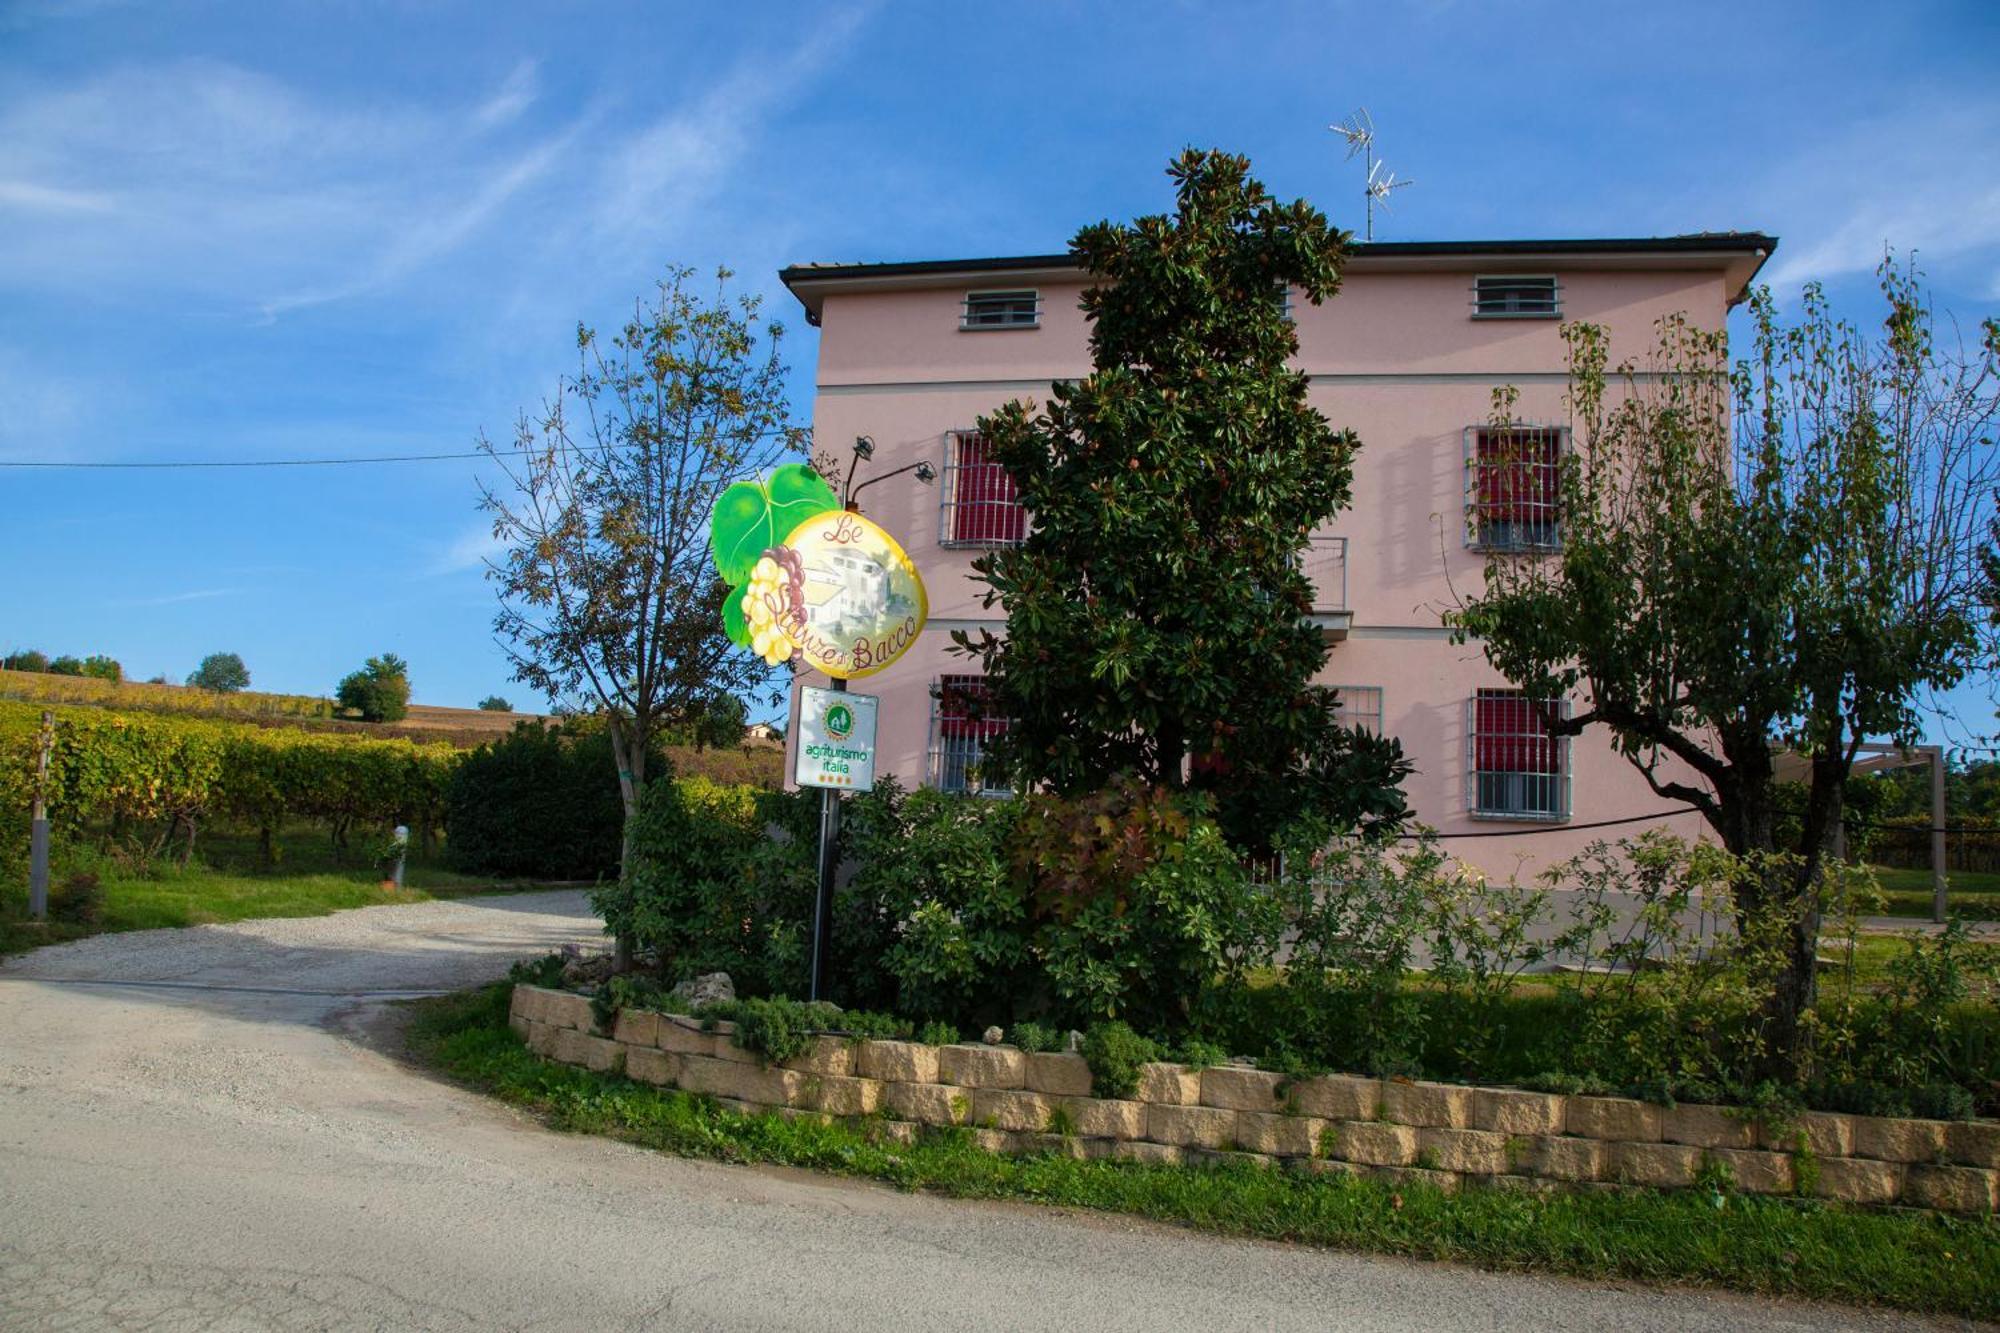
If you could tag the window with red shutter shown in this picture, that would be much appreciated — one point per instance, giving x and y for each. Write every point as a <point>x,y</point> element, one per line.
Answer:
<point>981,505</point>
<point>962,725</point>
<point>1519,769</point>
<point>1515,486</point>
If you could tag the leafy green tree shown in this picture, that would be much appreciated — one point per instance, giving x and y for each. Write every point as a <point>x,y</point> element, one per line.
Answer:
<point>493,703</point>
<point>222,672</point>
<point>103,668</point>
<point>1787,566</point>
<point>66,665</point>
<point>379,692</point>
<point>1157,611</point>
<point>25,659</point>
<point>610,599</point>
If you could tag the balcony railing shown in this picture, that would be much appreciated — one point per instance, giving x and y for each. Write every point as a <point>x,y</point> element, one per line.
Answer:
<point>1324,563</point>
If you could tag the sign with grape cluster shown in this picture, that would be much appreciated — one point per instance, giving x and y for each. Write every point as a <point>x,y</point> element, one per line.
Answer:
<point>811,582</point>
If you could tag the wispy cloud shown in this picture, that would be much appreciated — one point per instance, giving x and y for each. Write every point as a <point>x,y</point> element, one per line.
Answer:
<point>512,98</point>
<point>176,598</point>
<point>31,196</point>
<point>470,550</point>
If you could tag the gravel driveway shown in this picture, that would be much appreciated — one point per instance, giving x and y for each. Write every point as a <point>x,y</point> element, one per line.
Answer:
<point>234,1145</point>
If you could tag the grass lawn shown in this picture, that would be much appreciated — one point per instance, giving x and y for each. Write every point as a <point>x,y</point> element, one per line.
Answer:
<point>225,882</point>
<point>1973,894</point>
<point>1905,1259</point>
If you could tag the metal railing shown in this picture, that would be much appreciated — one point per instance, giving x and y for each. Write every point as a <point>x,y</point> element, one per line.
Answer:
<point>1324,563</point>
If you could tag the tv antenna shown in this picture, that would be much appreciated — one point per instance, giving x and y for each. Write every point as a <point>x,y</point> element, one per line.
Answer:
<point>1359,131</point>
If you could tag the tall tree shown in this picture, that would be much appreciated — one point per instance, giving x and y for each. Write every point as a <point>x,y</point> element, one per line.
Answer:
<point>610,600</point>
<point>1157,610</point>
<point>1780,560</point>
<point>222,672</point>
<point>379,692</point>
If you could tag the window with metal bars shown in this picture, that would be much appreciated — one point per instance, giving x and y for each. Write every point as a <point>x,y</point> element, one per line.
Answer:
<point>962,726</point>
<point>1513,483</point>
<point>1516,297</point>
<point>1001,310</point>
<point>978,503</point>
<point>1359,706</point>
<point>1518,768</point>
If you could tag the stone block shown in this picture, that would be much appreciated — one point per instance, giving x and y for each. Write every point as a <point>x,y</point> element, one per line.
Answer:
<point>1757,1172</point>
<point>1859,1180</point>
<point>736,1081</point>
<point>1191,1126</point>
<point>897,1061</point>
<point>567,1009</point>
<point>1213,1158</point>
<point>1895,1140</point>
<point>1011,1109</point>
<point>927,1103</point>
<point>827,1056</point>
<point>1324,1166</point>
<point>636,1027</point>
<point>1233,1088</point>
<point>1561,1158</point>
<point>1477,1151</point>
<point>1951,1189</point>
<point>1169,1085</point>
<point>683,1036</point>
<point>1707,1127</point>
<point>838,1094</point>
<point>1154,1154</point>
<point>1505,1111</point>
<point>1278,1135</point>
<point>725,1047</point>
<point>1974,1143</point>
<point>1515,1184</point>
<point>1427,1105</point>
<point>892,1131</point>
<point>541,1039</point>
<point>1372,1143</point>
<point>999,1140</point>
<point>982,1066</point>
<point>521,1024</point>
<point>1337,1097</point>
<point>1098,1118</point>
<point>1613,1118</point>
<point>649,1065</point>
<point>1445,1182</point>
<point>1823,1132</point>
<point>525,1002</point>
<point>1659,1165</point>
<point>1057,1074</point>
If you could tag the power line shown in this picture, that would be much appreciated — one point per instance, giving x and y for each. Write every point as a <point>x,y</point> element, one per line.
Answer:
<point>261,462</point>
<point>1849,821</point>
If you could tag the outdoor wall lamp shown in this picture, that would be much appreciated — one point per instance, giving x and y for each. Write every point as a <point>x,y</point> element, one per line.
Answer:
<point>925,474</point>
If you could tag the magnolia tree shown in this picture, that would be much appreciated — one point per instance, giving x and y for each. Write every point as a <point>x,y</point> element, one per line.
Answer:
<point>1780,560</point>
<point>610,602</point>
<point>1157,609</point>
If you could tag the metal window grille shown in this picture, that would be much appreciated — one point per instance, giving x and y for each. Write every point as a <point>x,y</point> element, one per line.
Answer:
<point>978,505</point>
<point>1513,480</point>
<point>962,725</point>
<point>1516,297</point>
<point>1001,310</point>
<point>1359,706</point>
<point>1285,300</point>
<point>1516,768</point>
<point>1324,563</point>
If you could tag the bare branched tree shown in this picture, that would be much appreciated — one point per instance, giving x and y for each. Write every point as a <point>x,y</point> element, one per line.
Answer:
<point>610,601</point>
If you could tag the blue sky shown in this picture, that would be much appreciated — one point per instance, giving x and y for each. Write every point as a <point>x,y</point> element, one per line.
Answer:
<point>286,230</point>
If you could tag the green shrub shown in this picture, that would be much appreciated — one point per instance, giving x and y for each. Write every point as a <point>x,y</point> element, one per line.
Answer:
<point>1145,910</point>
<point>540,802</point>
<point>1035,1037</point>
<point>1114,1053</point>
<point>935,1033</point>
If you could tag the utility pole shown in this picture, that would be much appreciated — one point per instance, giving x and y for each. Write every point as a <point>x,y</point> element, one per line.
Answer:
<point>38,827</point>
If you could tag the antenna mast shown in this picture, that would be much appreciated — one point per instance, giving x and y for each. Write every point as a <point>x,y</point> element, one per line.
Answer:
<point>1359,131</point>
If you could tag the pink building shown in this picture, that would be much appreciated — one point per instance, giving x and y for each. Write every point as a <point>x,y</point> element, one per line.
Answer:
<point>1407,355</point>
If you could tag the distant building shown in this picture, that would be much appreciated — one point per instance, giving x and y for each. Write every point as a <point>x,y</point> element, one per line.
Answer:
<point>1407,355</point>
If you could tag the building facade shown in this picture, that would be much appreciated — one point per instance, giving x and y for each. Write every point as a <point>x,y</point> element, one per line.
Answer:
<point>1407,355</point>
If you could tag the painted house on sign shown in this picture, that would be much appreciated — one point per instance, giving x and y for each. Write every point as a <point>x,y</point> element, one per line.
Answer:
<point>1407,355</point>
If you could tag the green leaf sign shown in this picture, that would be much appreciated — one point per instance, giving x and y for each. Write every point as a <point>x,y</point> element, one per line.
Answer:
<point>753,516</point>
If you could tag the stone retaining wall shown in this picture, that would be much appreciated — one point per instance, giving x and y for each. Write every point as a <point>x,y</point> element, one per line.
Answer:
<point>1020,1101</point>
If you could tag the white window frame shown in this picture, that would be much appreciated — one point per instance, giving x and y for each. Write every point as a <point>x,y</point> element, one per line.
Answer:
<point>950,478</point>
<point>952,764</point>
<point>967,323</point>
<point>1478,536</point>
<point>1360,706</point>
<point>1555,306</point>
<point>1487,793</point>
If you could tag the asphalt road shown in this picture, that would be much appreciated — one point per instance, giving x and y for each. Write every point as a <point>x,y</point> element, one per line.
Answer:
<point>238,1147</point>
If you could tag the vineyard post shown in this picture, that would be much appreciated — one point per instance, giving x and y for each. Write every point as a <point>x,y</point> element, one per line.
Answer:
<point>38,827</point>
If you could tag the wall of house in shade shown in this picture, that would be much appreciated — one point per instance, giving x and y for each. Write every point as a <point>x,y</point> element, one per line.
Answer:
<point>1400,357</point>
<point>1444,1134</point>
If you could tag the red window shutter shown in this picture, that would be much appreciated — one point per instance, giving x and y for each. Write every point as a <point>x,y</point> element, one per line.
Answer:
<point>1518,473</point>
<point>985,505</point>
<point>1511,735</point>
<point>964,708</point>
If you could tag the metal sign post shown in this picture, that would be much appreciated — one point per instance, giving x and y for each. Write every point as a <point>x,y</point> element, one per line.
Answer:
<point>836,752</point>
